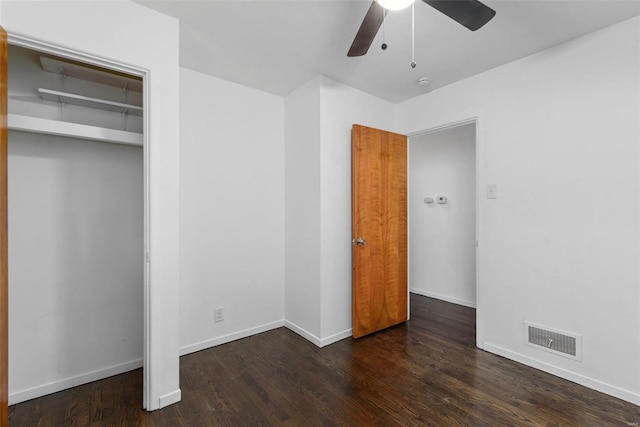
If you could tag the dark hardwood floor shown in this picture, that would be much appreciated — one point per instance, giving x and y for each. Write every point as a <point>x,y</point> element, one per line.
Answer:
<point>425,372</point>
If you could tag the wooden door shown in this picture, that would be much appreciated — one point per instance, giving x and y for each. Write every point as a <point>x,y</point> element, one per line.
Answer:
<point>4,280</point>
<point>379,227</point>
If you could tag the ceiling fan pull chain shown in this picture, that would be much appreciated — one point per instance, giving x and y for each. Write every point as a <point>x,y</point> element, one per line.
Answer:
<point>413,36</point>
<point>384,43</point>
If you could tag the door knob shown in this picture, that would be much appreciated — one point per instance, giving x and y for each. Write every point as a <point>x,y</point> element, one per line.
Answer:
<point>359,241</point>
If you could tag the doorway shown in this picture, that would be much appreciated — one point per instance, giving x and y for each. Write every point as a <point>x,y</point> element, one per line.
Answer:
<point>442,201</point>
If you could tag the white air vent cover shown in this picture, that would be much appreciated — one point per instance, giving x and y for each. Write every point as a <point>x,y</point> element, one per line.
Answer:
<point>559,342</point>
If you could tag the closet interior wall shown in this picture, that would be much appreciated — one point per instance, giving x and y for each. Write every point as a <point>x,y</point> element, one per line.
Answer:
<point>76,236</point>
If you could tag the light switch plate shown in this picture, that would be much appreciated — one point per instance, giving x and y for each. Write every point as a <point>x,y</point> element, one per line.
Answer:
<point>492,191</point>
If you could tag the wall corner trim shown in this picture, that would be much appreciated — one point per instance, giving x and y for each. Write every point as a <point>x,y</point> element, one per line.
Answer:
<point>612,390</point>
<point>169,398</point>
<point>303,333</point>
<point>336,337</point>
<point>320,342</point>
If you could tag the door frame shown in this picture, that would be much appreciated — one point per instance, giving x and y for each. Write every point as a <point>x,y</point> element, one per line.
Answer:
<point>38,45</point>
<point>466,121</point>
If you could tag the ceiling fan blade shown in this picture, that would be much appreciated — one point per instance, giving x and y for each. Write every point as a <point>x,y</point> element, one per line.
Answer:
<point>368,30</point>
<point>470,13</point>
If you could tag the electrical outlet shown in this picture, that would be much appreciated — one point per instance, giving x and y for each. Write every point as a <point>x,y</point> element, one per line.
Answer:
<point>218,314</point>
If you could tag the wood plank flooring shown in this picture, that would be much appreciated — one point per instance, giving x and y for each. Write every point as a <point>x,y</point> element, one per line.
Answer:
<point>426,372</point>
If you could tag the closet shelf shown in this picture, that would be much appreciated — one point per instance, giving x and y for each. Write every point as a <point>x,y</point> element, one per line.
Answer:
<point>85,101</point>
<point>92,74</point>
<point>73,130</point>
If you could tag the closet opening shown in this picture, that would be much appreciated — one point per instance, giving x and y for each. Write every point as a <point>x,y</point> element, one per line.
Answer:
<point>78,220</point>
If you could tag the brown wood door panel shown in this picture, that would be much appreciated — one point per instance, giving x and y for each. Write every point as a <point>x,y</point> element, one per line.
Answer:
<point>4,280</point>
<point>379,216</point>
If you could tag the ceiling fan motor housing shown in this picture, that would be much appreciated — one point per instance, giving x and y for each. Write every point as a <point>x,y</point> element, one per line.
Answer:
<point>470,13</point>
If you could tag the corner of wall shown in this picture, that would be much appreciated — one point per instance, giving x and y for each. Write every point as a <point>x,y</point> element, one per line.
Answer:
<point>302,208</point>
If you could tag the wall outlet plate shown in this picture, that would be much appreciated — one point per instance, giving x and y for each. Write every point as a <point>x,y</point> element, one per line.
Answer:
<point>218,314</point>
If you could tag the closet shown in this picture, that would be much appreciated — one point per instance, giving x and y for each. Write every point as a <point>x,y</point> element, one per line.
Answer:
<point>76,223</point>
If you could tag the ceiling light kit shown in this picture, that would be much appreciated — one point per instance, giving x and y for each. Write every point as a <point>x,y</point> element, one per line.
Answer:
<point>395,4</point>
<point>470,13</point>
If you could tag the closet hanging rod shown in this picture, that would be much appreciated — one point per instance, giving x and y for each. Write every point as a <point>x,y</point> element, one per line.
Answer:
<point>90,73</point>
<point>86,101</point>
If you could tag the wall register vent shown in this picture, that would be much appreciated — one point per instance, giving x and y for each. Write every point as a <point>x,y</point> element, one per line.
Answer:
<point>552,340</point>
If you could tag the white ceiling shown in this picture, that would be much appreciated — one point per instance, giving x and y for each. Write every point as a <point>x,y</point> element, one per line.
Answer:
<point>276,46</point>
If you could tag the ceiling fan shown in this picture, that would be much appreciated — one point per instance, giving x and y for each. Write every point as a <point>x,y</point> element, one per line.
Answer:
<point>470,13</point>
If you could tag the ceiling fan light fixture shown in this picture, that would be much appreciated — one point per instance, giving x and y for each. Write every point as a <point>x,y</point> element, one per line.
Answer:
<point>395,4</point>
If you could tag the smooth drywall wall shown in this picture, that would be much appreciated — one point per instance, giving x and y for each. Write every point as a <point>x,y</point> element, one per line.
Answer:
<point>341,106</point>
<point>75,262</point>
<point>302,210</point>
<point>318,120</point>
<point>442,236</point>
<point>231,210</point>
<point>134,35</point>
<point>558,135</point>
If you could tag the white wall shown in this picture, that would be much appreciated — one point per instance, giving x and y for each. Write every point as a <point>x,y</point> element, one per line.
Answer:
<point>75,262</point>
<point>231,210</point>
<point>318,120</point>
<point>149,40</point>
<point>558,134</point>
<point>302,209</point>
<point>341,106</point>
<point>442,237</point>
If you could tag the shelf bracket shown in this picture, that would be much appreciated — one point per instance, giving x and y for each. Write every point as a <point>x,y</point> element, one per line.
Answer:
<point>61,106</point>
<point>63,78</point>
<point>125,116</point>
<point>125,89</point>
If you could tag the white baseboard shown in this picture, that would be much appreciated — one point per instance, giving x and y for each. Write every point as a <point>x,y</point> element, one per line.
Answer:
<point>446,298</point>
<point>303,333</point>
<point>203,345</point>
<point>65,383</point>
<point>336,337</point>
<point>320,342</point>
<point>170,398</point>
<point>591,383</point>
